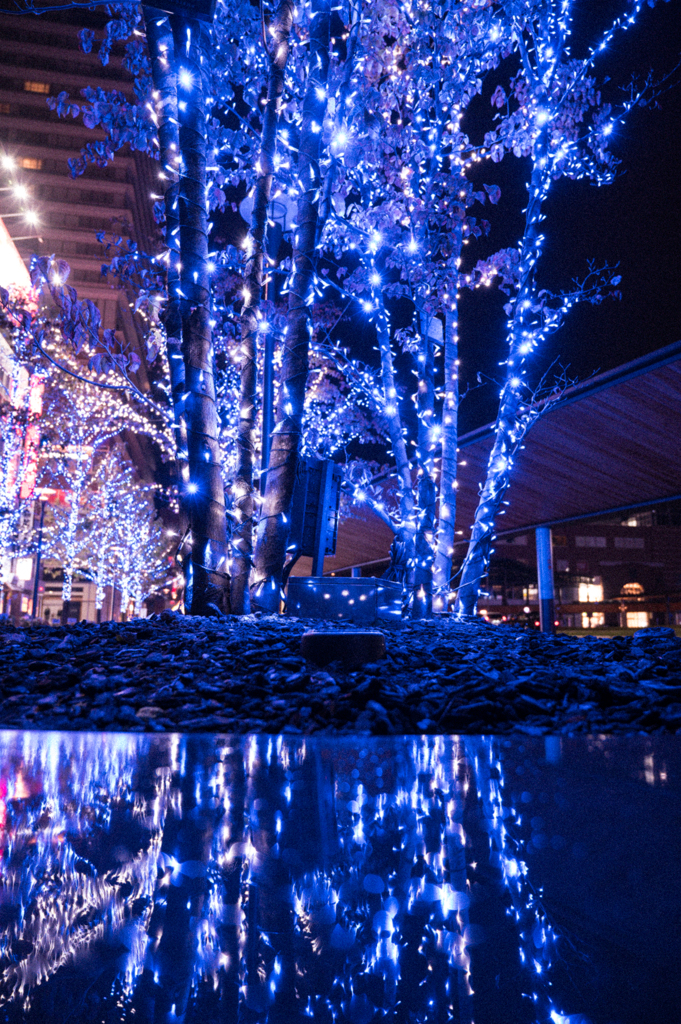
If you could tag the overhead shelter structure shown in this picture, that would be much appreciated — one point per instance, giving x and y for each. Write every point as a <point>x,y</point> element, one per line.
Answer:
<point>610,444</point>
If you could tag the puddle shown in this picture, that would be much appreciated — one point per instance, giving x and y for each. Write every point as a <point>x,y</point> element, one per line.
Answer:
<point>157,878</point>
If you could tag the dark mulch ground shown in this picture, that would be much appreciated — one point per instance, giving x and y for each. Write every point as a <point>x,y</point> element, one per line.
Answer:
<point>183,673</point>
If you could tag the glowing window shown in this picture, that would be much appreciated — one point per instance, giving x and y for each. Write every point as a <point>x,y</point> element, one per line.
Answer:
<point>632,588</point>
<point>637,620</point>
<point>593,620</point>
<point>590,542</point>
<point>30,163</point>
<point>590,592</point>
<point>24,568</point>
<point>41,87</point>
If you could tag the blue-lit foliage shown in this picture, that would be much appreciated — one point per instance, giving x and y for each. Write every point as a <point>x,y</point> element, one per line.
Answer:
<point>353,119</point>
<point>553,115</point>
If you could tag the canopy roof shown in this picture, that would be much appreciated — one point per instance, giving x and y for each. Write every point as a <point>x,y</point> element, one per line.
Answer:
<point>611,443</point>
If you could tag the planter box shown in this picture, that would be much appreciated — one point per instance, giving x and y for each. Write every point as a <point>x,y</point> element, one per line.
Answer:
<point>343,598</point>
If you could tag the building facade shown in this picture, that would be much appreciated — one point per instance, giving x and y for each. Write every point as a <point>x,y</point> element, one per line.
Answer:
<point>615,572</point>
<point>41,57</point>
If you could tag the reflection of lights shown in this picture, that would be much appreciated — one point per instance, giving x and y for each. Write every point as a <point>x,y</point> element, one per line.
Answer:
<point>354,900</point>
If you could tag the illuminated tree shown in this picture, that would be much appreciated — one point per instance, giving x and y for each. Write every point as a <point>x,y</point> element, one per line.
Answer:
<point>21,386</point>
<point>140,551</point>
<point>401,202</point>
<point>180,70</point>
<point>252,321</point>
<point>358,116</point>
<point>80,422</point>
<point>270,552</point>
<point>124,544</point>
<point>553,114</point>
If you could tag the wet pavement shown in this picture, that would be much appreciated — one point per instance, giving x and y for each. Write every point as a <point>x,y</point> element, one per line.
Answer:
<point>357,879</point>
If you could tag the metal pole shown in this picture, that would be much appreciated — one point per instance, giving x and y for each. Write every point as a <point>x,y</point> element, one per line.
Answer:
<point>545,578</point>
<point>36,582</point>
<point>322,525</point>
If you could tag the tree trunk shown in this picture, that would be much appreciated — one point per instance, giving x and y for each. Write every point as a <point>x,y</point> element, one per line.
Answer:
<point>449,435</point>
<point>163,69</point>
<point>188,833</point>
<point>242,539</point>
<point>422,602</point>
<point>392,414</point>
<point>207,498</point>
<point>507,430</point>
<point>342,110</point>
<point>72,524</point>
<point>273,529</point>
<point>163,66</point>
<point>402,549</point>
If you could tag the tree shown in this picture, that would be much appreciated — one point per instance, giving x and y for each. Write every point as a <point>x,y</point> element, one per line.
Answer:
<point>124,543</point>
<point>251,316</point>
<point>553,114</point>
<point>401,204</point>
<point>180,69</point>
<point>363,127</point>
<point>270,552</point>
<point>242,151</point>
<point>141,553</point>
<point>21,387</point>
<point>80,421</point>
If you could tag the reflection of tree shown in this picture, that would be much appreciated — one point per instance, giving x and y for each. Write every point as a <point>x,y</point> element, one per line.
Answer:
<point>268,880</point>
<point>176,933</point>
<point>79,858</point>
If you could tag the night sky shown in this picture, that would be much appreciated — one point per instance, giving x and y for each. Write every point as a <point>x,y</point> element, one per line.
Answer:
<point>636,221</point>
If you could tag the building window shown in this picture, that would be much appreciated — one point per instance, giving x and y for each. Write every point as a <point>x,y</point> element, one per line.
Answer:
<point>41,87</point>
<point>630,542</point>
<point>24,569</point>
<point>589,593</point>
<point>30,163</point>
<point>590,621</point>
<point>648,518</point>
<point>590,542</point>
<point>559,540</point>
<point>637,620</point>
<point>632,589</point>
<point>4,108</point>
<point>562,565</point>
